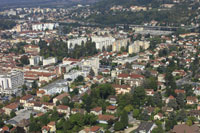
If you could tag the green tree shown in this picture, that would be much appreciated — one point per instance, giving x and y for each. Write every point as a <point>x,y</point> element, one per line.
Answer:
<point>118,126</point>
<point>139,96</point>
<point>136,113</point>
<point>12,114</point>
<point>173,104</point>
<point>91,72</point>
<point>180,100</point>
<point>24,60</point>
<point>124,119</point>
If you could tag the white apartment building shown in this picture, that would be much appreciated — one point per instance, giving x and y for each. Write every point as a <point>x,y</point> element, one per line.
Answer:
<point>34,60</point>
<point>133,48</point>
<point>118,44</point>
<point>142,44</point>
<point>44,26</point>
<point>92,63</point>
<point>10,82</point>
<point>56,87</point>
<point>50,60</point>
<point>102,41</point>
<point>72,42</point>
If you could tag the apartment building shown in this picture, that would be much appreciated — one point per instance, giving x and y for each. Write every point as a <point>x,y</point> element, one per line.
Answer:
<point>10,82</point>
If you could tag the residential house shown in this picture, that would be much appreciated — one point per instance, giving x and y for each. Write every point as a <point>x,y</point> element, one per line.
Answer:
<point>121,89</point>
<point>96,111</point>
<point>26,98</point>
<point>52,126</point>
<point>63,109</point>
<point>161,78</point>
<point>169,98</point>
<point>103,119</point>
<point>60,97</point>
<point>149,92</point>
<point>158,116</point>
<point>130,79</point>
<point>93,129</point>
<point>112,100</point>
<point>192,100</point>
<point>77,110</point>
<point>11,107</point>
<point>111,109</point>
<point>45,129</point>
<point>178,91</point>
<point>145,127</point>
<point>183,128</point>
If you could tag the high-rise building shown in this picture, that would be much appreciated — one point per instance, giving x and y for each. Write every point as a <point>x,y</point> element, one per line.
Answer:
<point>11,81</point>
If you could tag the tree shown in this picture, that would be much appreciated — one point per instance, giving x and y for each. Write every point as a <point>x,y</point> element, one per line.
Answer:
<point>157,99</point>
<point>124,119</point>
<point>66,100</point>
<point>24,87</point>
<point>118,126</point>
<point>91,73</point>
<point>45,99</point>
<point>158,129</point>
<point>34,85</point>
<point>173,104</point>
<point>144,116</point>
<point>181,116</point>
<point>79,79</point>
<point>24,60</point>
<point>136,113</point>
<point>12,114</point>
<point>139,96</point>
<point>180,100</point>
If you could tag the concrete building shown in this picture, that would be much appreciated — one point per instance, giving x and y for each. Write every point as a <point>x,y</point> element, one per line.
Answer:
<point>34,60</point>
<point>50,60</point>
<point>55,87</point>
<point>72,42</point>
<point>133,49</point>
<point>92,63</point>
<point>102,41</point>
<point>44,26</point>
<point>10,82</point>
<point>118,44</point>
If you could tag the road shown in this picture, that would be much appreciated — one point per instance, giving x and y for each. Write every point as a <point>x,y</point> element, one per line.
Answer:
<point>186,80</point>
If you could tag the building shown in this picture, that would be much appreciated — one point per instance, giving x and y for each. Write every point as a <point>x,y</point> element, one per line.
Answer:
<point>10,82</point>
<point>35,60</point>
<point>96,111</point>
<point>33,49</point>
<point>58,86</point>
<point>183,128</point>
<point>50,60</point>
<point>102,42</point>
<point>118,44</point>
<point>133,48</point>
<point>44,26</point>
<point>145,127</point>
<point>77,41</point>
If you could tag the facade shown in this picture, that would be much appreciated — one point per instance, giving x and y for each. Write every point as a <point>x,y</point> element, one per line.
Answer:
<point>10,82</point>
<point>44,26</point>
<point>72,42</point>
<point>133,48</point>
<point>102,41</point>
<point>50,60</point>
<point>34,60</point>
<point>118,44</point>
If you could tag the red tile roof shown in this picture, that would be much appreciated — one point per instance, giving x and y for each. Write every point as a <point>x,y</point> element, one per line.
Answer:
<point>97,109</point>
<point>62,107</point>
<point>94,129</point>
<point>106,117</point>
<point>110,107</point>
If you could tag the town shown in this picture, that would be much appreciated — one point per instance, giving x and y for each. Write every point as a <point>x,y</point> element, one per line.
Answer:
<point>60,73</point>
